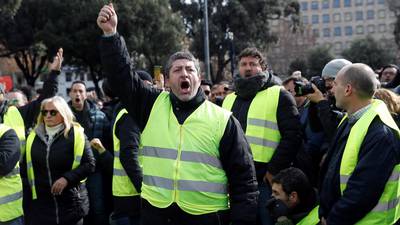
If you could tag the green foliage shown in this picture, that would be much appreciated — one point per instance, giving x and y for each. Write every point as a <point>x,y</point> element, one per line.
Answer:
<point>317,58</point>
<point>249,21</point>
<point>368,51</point>
<point>8,8</point>
<point>298,65</point>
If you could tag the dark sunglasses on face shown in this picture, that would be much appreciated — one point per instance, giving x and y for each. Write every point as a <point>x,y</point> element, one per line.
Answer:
<point>52,112</point>
<point>207,92</point>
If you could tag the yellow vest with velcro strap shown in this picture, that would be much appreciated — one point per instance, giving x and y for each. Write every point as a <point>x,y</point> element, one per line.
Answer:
<point>13,119</point>
<point>10,191</point>
<point>311,219</point>
<point>79,146</point>
<point>262,130</point>
<point>121,184</point>
<point>181,162</point>
<point>387,211</point>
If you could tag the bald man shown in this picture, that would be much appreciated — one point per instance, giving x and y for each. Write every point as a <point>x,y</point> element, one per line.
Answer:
<point>361,171</point>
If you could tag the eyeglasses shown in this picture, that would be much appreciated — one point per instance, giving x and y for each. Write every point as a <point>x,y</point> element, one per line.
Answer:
<point>52,112</point>
<point>206,92</point>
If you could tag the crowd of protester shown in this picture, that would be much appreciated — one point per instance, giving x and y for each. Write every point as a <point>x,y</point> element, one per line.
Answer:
<point>175,149</point>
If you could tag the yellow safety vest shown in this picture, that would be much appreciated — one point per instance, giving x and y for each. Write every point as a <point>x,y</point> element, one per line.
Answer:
<point>311,219</point>
<point>79,146</point>
<point>181,162</point>
<point>387,211</point>
<point>121,184</point>
<point>262,130</point>
<point>10,191</point>
<point>13,119</point>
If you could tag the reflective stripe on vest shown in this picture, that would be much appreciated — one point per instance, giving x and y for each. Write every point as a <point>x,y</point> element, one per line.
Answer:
<point>10,191</point>
<point>79,146</point>
<point>13,119</point>
<point>311,219</point>
<point>188,169</point>
<point>387,211</point>
<point>262,130</point>
<point>121,184</point>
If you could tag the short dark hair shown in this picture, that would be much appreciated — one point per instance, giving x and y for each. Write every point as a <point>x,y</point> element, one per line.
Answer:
<point>206,82</point>
<point>293,179</point>
<point>78,82</point>
<point>254,52</point>
<point>181,55</point>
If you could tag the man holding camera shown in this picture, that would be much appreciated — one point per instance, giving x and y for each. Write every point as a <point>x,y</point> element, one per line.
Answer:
<point>294,199</point>
<point>329,116</point>
<point>270,119</point>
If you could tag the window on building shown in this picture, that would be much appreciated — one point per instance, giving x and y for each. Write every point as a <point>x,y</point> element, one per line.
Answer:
<point>325,4</point>
<point>359,29</point>
<point>370,14</point>
<point>305,19</point>
<point>347,3</point>
<point>314,5</point>
<point>370,2</point>
<point>348,30</point>
<point>337,31</point>
<point>337,17</point>
<point>359,15</point>
<point>325,18</point>
<point>359,2</point>
<point>315,19</point>
<point>304,6</point>
<point>348,16</point>
<point>382,28</point>
<point>326,32</point>
<point>381,2</point>
<point>315,32</point>
<point>381,14</point>
<point>371,28</point>
<point>336,4</point>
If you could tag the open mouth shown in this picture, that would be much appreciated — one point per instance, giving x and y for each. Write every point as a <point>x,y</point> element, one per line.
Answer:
<point>77,100</point>
<point>185,85</point>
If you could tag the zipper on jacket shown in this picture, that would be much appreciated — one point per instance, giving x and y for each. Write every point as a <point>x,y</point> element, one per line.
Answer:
<point>177,164</point>
<point>50,180</point>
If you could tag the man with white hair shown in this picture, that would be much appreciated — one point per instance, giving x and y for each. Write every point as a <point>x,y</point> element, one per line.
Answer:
<point>361,170</point>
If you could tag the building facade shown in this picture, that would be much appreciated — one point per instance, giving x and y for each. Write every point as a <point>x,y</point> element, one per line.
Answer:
<point>337,23</point>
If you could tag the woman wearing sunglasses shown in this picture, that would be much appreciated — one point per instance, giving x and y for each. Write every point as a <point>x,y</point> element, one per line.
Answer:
<point>58,160</point>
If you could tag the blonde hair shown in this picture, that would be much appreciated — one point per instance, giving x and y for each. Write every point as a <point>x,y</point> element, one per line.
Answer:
<point>62,107</point>
<point>391,99</point>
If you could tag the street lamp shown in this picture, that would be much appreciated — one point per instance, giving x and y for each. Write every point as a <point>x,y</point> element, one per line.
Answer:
<point>206,42</point>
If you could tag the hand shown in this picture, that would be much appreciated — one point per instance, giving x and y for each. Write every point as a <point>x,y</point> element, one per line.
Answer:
<point>57,61</point>
<point>317,96</point>
<point>107,19</point>
<point>59,186</point>
<point>268,178</point>
<point>96,144</point>
<point>323,221</point>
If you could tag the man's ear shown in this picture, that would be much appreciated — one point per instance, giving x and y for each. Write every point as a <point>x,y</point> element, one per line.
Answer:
<point>294,197</point>
<point>348,90</point>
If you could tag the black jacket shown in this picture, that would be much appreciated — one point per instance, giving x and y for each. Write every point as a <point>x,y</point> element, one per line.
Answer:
<point>379,153</point>
<point>138,99</point>
<point>30,111</point>
<point>50,165</point>
<point>289,126</point>
<point>9,152</point>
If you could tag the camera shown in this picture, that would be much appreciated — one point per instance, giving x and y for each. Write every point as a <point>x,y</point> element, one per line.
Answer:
<point>302,89</point>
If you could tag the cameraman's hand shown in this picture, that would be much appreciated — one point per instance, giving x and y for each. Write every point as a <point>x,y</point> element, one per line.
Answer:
<point>57,61</point>
<point>317,96</point>
<point>283,220</point>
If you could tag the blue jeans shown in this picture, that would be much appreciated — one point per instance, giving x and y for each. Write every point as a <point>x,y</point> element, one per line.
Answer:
<point>263,217</point>
<point>16,221</point>
<point>97,202</point>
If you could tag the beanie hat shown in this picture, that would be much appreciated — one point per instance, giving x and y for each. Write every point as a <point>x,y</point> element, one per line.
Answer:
<point>333,67</point>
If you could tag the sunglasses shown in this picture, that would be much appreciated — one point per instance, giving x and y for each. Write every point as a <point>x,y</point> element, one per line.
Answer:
<point>52,112</point>
<point>207,92</point>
